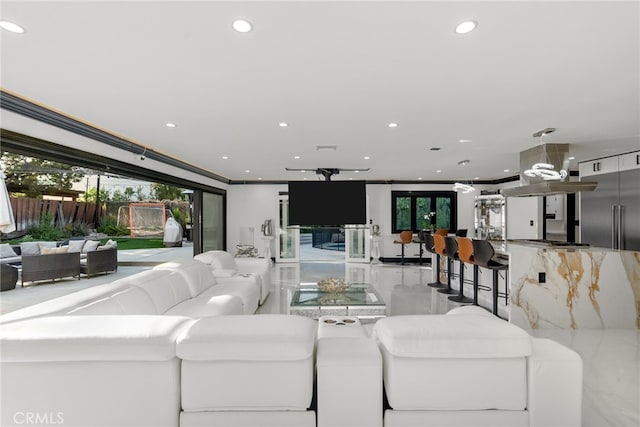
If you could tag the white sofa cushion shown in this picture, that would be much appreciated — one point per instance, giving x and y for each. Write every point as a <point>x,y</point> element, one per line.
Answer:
<point>218,260</point>
<point>197,275</point>
<point>247,292</point>
<point>166,288</point>
<point>260,337</point>
<point>65,303</point>
<point>132,300</point>
<point>86,338</point>
<point>452,336</point>
<point>208,305</point>
<point>247,363</point>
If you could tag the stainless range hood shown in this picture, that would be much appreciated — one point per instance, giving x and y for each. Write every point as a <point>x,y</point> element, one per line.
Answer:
<point>553,154</point>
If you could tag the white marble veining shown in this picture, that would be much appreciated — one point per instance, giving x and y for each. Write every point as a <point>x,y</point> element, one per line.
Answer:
<point>582,288</point>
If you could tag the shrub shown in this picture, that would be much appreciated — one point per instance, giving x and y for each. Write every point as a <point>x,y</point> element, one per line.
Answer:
<point>110,227</point>
<point>45,230</point>
<point>76,229</point>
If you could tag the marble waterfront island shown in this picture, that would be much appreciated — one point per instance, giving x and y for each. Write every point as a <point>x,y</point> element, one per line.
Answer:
<point>588,299</point>
<point>573,287</point>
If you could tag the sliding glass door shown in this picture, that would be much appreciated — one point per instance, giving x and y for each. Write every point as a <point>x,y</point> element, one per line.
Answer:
<point>212,222</point>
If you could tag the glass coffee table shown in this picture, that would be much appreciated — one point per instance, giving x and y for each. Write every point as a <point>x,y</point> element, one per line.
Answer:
<point>359,300</point>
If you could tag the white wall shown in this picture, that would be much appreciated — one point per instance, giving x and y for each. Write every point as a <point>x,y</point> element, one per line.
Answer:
<point>248,206</point>
<point>524,216</point>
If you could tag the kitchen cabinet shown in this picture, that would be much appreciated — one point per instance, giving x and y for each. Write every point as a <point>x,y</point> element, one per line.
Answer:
<point>611,164</point>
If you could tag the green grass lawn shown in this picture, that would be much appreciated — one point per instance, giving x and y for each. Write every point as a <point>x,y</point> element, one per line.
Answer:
<point>137,243</point>
<point>123,242</point>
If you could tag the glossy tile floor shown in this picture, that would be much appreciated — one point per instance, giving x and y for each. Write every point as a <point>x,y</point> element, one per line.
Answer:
<point>611,357</point>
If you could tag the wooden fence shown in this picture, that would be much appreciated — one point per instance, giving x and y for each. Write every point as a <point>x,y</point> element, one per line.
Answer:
<point>28,211</point>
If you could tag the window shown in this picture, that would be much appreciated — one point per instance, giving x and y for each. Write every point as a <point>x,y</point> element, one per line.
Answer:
<point>418,210</point>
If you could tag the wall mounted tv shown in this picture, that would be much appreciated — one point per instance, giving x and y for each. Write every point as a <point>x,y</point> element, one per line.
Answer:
<point>327,203</point>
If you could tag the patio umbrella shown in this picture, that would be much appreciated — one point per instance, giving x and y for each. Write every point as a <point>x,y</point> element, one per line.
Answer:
<point>7,221</point>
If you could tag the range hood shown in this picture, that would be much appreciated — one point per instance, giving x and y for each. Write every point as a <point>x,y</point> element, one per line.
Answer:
<point>553,154</point>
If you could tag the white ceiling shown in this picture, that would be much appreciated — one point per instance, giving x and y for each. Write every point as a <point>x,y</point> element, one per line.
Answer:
<point>337,73</point>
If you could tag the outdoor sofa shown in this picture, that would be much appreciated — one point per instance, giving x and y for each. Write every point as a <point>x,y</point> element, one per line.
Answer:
<point>50,261</point>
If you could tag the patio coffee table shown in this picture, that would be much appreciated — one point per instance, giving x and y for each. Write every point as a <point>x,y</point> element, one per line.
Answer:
<point>359,300</point>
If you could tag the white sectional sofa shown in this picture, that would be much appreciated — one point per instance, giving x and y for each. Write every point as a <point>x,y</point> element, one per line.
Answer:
<point>171,347</point>
<point>225,266</point>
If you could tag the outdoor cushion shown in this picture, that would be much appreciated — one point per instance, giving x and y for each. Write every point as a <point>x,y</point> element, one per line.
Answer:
<point>6,251</point>
<point>90,245</point>
<point>75,245</point>
<point>30,248</point>
<point>111,244</point>
<point>48,251</point>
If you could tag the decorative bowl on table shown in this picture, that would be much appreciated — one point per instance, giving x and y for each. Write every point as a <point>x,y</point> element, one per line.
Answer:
<point>333,286</point>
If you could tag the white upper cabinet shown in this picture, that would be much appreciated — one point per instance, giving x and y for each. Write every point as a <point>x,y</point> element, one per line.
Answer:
<point>610,164</point>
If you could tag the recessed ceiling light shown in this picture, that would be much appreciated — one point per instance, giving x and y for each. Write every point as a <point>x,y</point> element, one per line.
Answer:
<point>465,140</point>
<point>260,179</point>
<point>477,177</point>
<point>12,27</point>
<point>170,125</point>
<point>357,171</point>
<point>466,27</point>
<point>225,157</point>
<point>296,157</point>
<point>247,171</point>
<point>241,26</point>
<point>438,171</point>
<point>393,125</point>
<point>366,157</point>
<point>507,170</point>
<point>283,124</point>
<point>419,178</point>
<point>572,158</point>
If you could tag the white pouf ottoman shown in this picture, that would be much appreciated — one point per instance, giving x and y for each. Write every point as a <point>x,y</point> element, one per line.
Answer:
<point>248,364</point>
<point>346,356</point>
<point>340,326</point>
<point>444,362</point>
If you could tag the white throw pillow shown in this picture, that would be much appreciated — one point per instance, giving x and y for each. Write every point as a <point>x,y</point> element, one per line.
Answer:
<point>6,251</point>
<point>90,246</point>
<point>76,245</point>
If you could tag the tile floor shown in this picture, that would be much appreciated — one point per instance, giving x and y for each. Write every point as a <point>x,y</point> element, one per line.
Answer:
<point>611,357</point>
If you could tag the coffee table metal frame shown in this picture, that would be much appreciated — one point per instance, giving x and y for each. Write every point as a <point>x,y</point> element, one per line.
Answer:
<point>360,300</point>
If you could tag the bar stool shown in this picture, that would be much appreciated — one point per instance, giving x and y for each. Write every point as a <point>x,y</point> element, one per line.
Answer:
<point>421,240</point>
<point>438,248</point>
<point>465,256</point>
<point>484,256</point>
<point>451,249</point>
<point>406,237</point>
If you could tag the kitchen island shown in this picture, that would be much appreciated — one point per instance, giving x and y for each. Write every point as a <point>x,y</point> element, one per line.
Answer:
<point>572,287</point>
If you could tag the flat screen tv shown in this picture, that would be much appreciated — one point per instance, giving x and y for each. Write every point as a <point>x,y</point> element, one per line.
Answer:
<point>327,203</point>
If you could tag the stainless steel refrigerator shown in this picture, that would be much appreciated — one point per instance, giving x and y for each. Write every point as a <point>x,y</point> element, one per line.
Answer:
<point>610,215</point>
